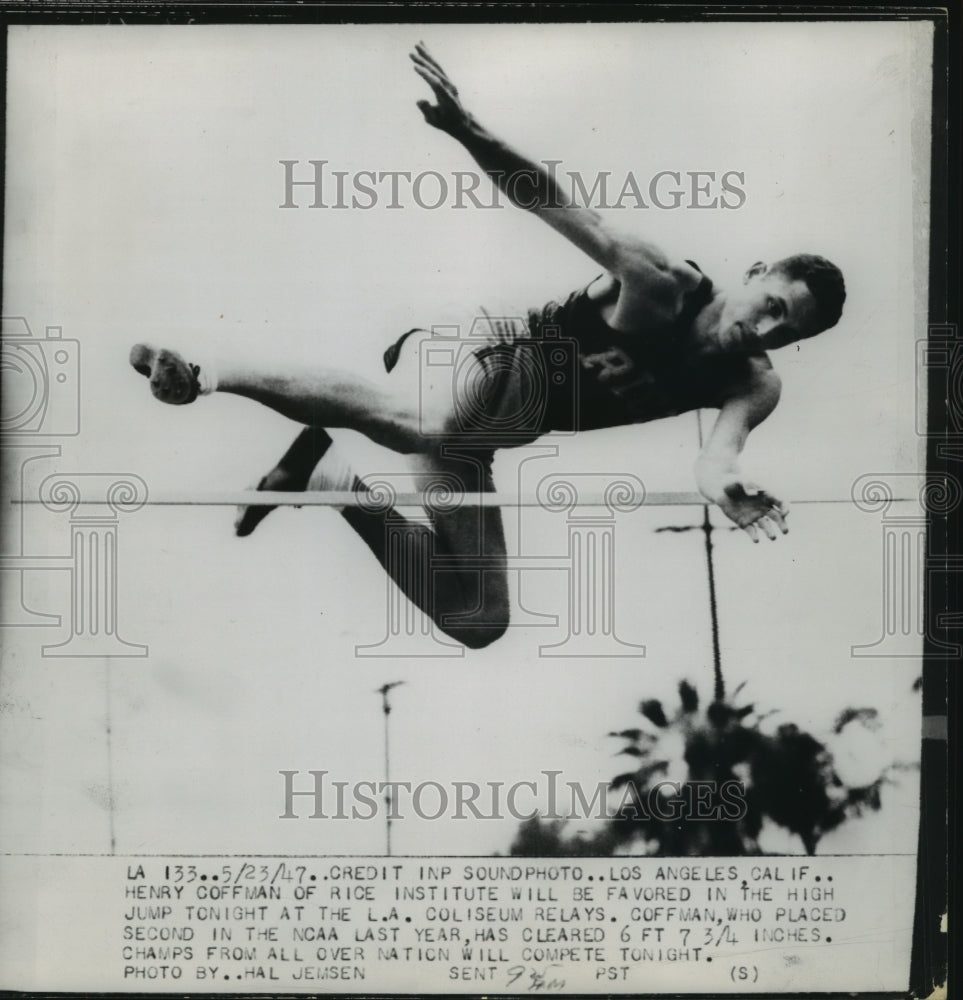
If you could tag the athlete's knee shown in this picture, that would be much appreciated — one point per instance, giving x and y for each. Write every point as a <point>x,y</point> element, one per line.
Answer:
<point>407,427</point>
<point>484,624</point>
<point>477,636</point>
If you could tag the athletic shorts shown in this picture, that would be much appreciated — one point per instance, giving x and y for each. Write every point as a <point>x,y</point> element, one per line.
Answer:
<point>507,385</point>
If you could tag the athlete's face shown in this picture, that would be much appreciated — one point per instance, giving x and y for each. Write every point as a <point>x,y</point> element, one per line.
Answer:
<point>767,312</point>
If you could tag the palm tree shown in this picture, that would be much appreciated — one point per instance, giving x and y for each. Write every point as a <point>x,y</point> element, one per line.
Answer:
<point>788,777</point>
<point>729,778</point>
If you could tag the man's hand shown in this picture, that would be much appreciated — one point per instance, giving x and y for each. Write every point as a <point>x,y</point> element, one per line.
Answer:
<point>525,182</point>
<point>448,114</point>
<point>753,509</point>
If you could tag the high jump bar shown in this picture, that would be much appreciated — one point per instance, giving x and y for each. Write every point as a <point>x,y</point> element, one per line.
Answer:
<point>442,499</point>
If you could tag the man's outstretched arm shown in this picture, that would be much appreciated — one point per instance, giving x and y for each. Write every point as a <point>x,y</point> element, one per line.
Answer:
<point>528,184</point>
<point>717,468</point>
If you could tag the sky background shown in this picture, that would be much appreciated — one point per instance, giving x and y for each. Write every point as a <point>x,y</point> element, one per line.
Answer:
<point>142,203</point>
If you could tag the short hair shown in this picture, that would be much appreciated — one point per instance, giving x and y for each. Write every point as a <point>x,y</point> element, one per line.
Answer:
<point>824,281</point>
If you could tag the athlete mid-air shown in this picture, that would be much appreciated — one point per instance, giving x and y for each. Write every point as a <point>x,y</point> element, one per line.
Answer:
<point>653,338</point>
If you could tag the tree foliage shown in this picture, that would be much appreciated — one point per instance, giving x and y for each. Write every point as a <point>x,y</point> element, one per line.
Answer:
<point>731,778</point>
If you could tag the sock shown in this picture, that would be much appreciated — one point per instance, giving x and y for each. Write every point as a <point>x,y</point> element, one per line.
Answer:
<point>332,474</point>
<point>206,378</point>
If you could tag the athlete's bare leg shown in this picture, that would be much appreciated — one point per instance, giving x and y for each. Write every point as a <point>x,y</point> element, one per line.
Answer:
<point>291,474</point>
<point>329,398</point>
<point>468,602</point>
<point>436,570</point>
<point>395,412</point>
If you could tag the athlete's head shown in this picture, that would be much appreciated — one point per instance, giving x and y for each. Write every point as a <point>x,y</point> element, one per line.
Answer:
<point>778,304</point>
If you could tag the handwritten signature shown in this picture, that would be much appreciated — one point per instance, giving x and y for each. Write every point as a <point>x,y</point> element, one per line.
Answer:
<point>535,979</point>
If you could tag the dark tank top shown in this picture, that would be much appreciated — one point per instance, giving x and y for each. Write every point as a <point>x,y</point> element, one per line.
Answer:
<point>624,378</point>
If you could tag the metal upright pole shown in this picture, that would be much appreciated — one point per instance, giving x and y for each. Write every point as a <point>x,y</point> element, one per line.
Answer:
<point>386,708</point>
<point>719,691</point>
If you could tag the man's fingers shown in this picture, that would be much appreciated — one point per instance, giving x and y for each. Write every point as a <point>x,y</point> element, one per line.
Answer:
<point>429,77</point>
<point>766,525</point>
<point>752,531</point>
<point>426,72</point>
<point>442,88</point>
<point>419,60</point>
<point>436,71</point>
<point>422,50</point>
<point>778,515</point>
<point>775,510</point>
